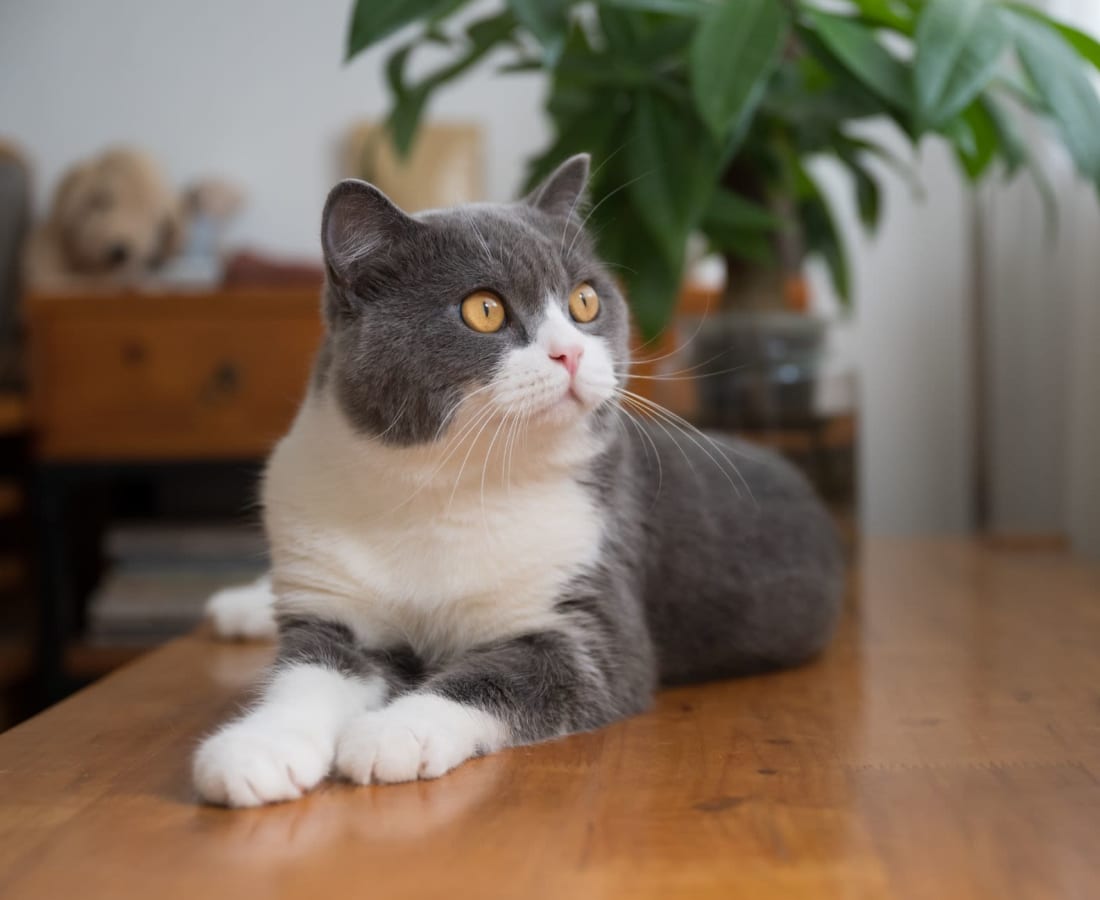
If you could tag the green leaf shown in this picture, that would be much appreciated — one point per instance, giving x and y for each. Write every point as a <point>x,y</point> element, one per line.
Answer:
<point>976,137</point>
<point>653,287</point>
<point>592,130</point>
<point>547,20</point>
<point>373,20</point>
<point>405,118</point>
<point>735,50</point>
<point>958,132</point>
<point>857,49</point>
<point>959,44</point>
<point>1046,192</point>
<point>726,209</point>
<point>395,70</point>
<point>1061,81</point>
<point>868,198</point>
<point>823,238</point>
<point>868,193</point>
<point>986,140</point>
<point>652,282</point>
<point>883,12</point>
<point>1010,143</point>
<point>1086,45</point>
<point>672,7</point>
<point>410,101</point>
<point>673,166</point>
<point>739,227</point>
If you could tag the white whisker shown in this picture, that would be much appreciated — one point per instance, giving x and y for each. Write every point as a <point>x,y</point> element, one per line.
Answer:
<point>687,429</point>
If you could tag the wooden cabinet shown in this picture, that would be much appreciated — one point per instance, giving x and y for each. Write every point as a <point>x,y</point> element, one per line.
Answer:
<point>160,378</point>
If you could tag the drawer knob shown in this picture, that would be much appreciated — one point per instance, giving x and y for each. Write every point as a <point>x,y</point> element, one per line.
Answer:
<point>133,353</point>
<point>224,381</point>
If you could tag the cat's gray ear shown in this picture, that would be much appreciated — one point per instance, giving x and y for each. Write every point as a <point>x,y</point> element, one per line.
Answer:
<point>563,191</point>
<point>359,223</point>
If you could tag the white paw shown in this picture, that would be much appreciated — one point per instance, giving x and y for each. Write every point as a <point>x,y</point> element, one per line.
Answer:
<point>252,763</point>
<point>418,736</point>
<point>244,613</point>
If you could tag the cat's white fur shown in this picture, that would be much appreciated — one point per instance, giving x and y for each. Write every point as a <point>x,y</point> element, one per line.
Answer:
<point>243,613</point>
<point>442,547</point>
<point>417,736</point>
<point>285,745</point>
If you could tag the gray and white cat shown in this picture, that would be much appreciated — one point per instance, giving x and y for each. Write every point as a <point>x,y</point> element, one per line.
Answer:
<point>473,546</point>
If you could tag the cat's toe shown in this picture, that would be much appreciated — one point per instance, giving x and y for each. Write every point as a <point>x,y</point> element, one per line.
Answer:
<point>375,748</point>
<point>247,765</point>
<point>415,737</point>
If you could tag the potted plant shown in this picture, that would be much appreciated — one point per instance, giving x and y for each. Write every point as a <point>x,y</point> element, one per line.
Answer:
<point>701,116</point>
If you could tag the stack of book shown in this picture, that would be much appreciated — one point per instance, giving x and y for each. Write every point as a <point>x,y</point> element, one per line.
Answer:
<point>160,577</point>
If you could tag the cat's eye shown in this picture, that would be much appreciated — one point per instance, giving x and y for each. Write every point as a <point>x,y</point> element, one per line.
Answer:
<point>483,312</point>
<point>584,303</point>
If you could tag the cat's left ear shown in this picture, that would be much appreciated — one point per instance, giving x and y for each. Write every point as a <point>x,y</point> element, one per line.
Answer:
<point>360,225</point>
<point>563,192</point>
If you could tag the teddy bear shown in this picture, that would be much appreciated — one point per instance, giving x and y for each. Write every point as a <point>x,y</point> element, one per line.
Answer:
<point>116,221</point>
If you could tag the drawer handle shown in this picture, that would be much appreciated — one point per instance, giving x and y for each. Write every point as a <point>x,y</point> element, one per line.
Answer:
<point>224,381</point>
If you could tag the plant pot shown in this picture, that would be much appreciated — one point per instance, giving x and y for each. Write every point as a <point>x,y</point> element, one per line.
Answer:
<point>757,369</point>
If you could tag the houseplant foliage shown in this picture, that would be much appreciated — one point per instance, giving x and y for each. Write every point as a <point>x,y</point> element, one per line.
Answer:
<point>701,115</point>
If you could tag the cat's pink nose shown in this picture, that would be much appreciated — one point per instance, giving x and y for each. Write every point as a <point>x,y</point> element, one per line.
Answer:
<point>570,357</point>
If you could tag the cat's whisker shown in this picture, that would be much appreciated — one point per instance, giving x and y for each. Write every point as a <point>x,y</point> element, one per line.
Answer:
<point>466,459</point>
<point>485,470</point>
<point>676,350</point>
<point>591,177</point>
<point>396,418</point>
<point>623,414</point>
<point>648,414</point>
<point>690,368</point>
<point>660,334</point>
<point>488,254</point>
<point>689,431</point>
<point>519,421</point>
<point>603,200</point>
<point>447,417</point>
<point>453,446</point>
<point>673,376</point>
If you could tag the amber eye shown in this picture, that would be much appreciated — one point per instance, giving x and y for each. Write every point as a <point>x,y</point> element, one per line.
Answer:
<point>483,312</point>
<point>584,303</point>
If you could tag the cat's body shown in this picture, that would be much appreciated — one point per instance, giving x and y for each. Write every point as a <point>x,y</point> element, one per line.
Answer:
<point>472,546</point>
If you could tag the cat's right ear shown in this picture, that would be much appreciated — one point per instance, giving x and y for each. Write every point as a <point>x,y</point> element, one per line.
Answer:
<point>359,224</point>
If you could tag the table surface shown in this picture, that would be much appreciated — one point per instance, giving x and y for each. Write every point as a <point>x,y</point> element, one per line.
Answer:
<point>947,745</point>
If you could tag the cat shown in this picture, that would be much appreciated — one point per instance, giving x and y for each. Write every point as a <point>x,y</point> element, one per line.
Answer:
<point>474,545</point>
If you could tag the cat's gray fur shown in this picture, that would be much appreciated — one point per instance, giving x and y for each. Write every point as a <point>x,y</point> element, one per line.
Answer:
<point>705,572</point>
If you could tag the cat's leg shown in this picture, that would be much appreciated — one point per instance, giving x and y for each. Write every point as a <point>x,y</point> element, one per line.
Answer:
<point>518,691</point>
<point>284,746</point>
<point>244,613</point>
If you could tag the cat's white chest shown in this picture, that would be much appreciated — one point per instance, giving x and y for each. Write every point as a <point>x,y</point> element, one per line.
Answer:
<point>438,571</point>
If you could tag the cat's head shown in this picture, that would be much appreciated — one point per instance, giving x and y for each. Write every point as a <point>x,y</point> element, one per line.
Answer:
<point>504,306</point>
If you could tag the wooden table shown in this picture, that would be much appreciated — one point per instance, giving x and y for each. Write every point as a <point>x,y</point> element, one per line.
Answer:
<point>948,745</point>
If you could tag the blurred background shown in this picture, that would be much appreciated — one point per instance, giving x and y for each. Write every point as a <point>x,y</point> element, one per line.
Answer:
<point>864,233</point>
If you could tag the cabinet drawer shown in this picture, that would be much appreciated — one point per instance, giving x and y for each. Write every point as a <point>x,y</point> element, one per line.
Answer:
<point>168,378</point>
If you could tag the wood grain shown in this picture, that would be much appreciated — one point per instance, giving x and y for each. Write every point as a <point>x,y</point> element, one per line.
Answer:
<point>947,745</point>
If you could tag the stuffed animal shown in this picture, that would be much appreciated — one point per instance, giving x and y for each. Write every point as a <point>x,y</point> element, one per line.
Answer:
<point>116,221</point>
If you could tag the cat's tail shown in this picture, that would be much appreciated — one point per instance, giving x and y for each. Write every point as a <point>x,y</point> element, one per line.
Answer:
<point>244,613</point>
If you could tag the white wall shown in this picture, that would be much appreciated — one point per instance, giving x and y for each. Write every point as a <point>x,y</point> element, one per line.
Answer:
<point>250,89</point>
<point>912,339</point>
<point>1044,414</point>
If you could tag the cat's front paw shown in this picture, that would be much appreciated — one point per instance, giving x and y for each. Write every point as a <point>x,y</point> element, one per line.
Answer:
<point>253,763</point>
<point>243,613</point>
<point>418,736</point>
